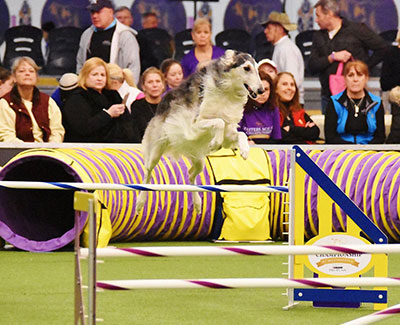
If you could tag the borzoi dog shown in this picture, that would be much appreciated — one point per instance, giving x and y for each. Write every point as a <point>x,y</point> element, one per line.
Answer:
<point>201,116</point>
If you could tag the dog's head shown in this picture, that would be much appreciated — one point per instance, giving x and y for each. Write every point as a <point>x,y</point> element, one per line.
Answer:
<point>243,68</point>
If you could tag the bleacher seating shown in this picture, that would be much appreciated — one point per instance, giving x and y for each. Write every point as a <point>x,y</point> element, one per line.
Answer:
<point>23,40</point>
<point>183,43</point>
<point>155,46</point>
<point>63,47</point>
<point>262,48</point>
<point>235,39</point>
<point>303,41</point>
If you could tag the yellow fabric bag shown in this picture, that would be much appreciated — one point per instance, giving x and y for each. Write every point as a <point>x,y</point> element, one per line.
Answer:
<point>246,215</point>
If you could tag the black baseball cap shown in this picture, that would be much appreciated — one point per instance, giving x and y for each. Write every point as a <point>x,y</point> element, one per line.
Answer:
<point>97,5</point>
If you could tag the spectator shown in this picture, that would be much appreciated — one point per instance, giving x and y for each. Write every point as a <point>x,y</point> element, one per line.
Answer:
<point>124,15</point>
<point>109,39</point>
<point>355,115</point>
<point>296,125</point>
<point>144,109</point>
<point>260,119</point>
<point>173,73</point>
<point>66,86</point>
<point>269,67</point>
<point>203,49</point>
<point>46,28</point>
<point>6,81</point>
<point>122,81</point>
<point>149,20</point>
<point>26,114</point>
<point>94,113</point>
<point>337,41</point>
<point>287,55</point>
<point>394,99</point>
<point>390,74</point>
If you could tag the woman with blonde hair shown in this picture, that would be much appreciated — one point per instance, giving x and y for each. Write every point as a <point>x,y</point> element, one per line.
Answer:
<point>122,81</point>
<point>94,113</point>
<point>355,116</point>
<point>26,114</point>
<point>203,50</point>
<point>143,110</point>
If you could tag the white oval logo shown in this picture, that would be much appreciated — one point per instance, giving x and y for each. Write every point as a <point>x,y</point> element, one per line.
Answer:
<point>339,264</point>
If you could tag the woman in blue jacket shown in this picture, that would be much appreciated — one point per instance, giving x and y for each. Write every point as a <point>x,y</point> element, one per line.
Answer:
<point>355,115</point>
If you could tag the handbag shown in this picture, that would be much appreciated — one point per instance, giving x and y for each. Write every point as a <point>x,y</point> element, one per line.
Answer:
<point>336,81</point>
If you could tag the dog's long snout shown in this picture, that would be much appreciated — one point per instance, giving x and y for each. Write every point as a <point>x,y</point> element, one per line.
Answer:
<point>260,90</point>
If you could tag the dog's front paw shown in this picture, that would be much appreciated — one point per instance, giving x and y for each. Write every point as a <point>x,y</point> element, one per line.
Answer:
<point>245,153</point>
<point>197,202</point>
<point>243,145</point>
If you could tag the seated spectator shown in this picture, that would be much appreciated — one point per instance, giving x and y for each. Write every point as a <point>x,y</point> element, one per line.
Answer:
<point>260,119</point>
<point>94,113</point>
<point>6,81</point>
<point>355,115</point>
<point>268,66</point>
<point>173,73</point>
<point>122,81</point>
<point>26,114</point>
<point>296,124</point>
<point>394,99</point>
<point>66,86</point>
<point>203,49</point>
<point>149,20</point>
<point>144,109</point>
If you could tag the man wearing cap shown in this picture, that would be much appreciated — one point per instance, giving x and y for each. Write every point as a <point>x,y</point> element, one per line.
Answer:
<point>339,40</point>
<point>287,55</point>
<point>109,39</point>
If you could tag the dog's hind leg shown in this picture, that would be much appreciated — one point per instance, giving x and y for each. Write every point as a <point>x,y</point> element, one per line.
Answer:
<point>152,155</point>
<point>215,127</point>
<point>197,167</point>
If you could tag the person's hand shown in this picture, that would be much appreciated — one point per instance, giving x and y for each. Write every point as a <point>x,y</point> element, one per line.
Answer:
<point>309,124</point>
<point>251,142</point>
<point>342,56</point>
<point>286,128</point>
<point>116,110</point>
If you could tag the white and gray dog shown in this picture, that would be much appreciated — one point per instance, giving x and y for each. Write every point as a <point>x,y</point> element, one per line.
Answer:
<point>201,116</point>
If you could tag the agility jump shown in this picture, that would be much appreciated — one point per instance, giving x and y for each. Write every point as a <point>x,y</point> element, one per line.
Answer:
<point>290,283</point>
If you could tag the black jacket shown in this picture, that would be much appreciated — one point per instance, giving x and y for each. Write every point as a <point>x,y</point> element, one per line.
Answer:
<point>85,120</point>
<point>390,74</point>
<point>298,134</point>
<point>356,38</point>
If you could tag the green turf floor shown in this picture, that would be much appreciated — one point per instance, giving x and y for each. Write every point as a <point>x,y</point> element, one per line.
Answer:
<point>37,288</point>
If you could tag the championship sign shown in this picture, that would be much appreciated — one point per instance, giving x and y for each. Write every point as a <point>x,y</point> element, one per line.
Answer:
<point>339,264</point>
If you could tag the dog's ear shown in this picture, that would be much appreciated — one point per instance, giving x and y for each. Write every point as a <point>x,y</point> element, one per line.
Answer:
<point>228,57</point>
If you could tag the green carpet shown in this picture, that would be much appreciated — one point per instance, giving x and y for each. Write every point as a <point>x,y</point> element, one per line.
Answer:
<point>37,288</point>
